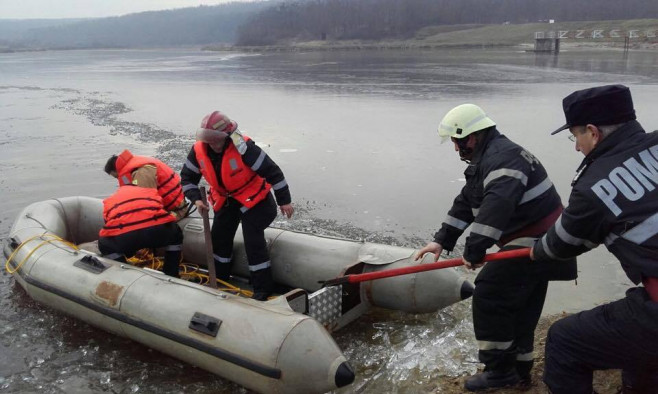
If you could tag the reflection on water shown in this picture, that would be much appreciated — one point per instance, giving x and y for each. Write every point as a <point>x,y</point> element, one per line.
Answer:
<point>355,133</point>
<point>546,60</point>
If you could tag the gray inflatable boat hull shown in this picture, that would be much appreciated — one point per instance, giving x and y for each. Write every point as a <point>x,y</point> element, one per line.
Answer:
<point>264,346</point>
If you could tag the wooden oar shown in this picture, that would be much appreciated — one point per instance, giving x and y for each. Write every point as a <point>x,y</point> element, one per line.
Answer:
<point>210,260</point>
<point>356,278</point>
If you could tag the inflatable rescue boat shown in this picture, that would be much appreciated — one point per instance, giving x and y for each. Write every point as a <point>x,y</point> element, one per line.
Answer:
<point>279,346</point>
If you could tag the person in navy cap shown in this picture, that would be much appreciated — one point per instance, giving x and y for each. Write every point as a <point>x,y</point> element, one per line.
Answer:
<point>614,201</point>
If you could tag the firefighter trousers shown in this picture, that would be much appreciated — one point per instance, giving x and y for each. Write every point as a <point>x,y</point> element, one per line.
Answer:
<point>254,222</point>
<point>167,235</point>
<point>620,335</point>
<point>507,303</point>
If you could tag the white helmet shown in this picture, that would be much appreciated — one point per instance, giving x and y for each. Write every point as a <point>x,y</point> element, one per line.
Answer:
<point>463,120</point>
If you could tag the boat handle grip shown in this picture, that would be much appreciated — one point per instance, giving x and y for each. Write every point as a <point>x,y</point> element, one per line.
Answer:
<point>205,324</point>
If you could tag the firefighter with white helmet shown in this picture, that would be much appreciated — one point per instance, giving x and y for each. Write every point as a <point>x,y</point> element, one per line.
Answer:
<point>241,177</point>
<point>509,201</point>
<point>459,123</point>
<point>464,120</point>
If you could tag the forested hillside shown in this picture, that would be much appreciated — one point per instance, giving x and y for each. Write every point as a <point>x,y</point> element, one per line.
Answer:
<point>279,22</point>
<point>188,26</point>
<point>383,19</point>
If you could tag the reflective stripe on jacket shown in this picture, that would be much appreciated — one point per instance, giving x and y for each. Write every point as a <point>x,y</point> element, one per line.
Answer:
<point>239,181</point>
<point>168,181</point>
<point>132,208</point>
<point>614,201</point>
<point>507,191</point>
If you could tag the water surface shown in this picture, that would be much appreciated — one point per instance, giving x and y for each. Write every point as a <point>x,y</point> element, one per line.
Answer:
<point>355,133</point>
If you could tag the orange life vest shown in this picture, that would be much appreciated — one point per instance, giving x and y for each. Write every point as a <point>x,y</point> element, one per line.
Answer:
<point>168,181</point>
<point>240,182</point>
<point>132,208</point>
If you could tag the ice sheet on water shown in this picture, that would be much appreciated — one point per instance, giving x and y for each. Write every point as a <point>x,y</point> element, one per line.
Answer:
<point>394,350</point>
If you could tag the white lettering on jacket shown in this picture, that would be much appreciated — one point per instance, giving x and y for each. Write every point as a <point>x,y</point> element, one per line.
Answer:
<point>632,180</point>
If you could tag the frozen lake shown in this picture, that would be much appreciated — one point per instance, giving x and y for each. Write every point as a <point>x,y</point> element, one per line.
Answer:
<point>354,132</point>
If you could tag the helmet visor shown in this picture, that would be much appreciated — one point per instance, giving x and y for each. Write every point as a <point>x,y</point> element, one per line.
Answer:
<point>446,132</point>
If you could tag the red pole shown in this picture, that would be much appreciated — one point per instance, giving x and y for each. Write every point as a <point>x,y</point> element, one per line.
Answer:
<point>356,278</point>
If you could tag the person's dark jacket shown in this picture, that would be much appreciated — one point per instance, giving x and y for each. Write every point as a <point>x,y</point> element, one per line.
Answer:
<point>507,190</point>
<point>614,201</point>
<point>254,157</point>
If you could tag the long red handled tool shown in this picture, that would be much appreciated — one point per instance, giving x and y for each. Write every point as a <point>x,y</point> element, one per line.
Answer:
<point>356,278</point>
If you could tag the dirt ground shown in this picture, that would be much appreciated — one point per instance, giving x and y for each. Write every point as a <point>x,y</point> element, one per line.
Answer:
<point>605,382</point>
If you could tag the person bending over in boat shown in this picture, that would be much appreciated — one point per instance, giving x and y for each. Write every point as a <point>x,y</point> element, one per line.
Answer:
<point>614,201</point>
<point>240,176</point>
<point>150,172</point>
<point>508,200</point>
<point>136,218</point>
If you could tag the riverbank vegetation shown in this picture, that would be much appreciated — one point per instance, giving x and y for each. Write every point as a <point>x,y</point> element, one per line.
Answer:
<point>342,24</point>
<point>431,22</point>
<point>607,34</point>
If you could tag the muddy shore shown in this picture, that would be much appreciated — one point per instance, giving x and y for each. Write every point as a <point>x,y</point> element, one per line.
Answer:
<point>605,382</point>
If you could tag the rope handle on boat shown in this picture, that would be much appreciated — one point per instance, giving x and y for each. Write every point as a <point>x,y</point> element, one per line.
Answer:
<point>55,238</point>
<point>356,278</point>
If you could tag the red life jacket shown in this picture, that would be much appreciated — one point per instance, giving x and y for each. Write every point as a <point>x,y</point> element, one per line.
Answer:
<point>168,181</point>
<point>240,182</point>
<point>132,208</point>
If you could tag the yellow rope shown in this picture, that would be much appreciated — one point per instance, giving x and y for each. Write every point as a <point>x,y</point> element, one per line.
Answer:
<point>54,237</point>
<point>146,258</point>
<point>143,258</point>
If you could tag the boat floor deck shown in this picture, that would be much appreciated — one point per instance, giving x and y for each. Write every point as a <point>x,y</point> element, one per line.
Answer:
<point>189,271</point>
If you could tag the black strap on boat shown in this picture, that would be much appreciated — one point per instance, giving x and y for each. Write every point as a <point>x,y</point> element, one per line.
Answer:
<point>91,264</point>
<point>205,324</point>
<point>255,366</point>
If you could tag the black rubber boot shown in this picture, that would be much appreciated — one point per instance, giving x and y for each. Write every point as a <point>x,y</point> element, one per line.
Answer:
<point>262,283</point>
<point>633,390</point>
<point>523,368</point>
<point>223,271</point>
<point>491,380</point>
<point>171,260</point>
<point>645,382</point>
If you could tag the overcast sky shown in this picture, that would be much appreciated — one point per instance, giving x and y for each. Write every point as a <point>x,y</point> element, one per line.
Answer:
<point>38,9</point>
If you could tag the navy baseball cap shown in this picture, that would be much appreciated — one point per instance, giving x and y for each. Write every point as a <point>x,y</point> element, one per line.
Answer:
<point>600,106</point>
